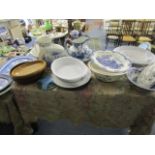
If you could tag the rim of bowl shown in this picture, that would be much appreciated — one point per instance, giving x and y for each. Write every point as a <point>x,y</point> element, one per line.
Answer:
<point>69,79</point>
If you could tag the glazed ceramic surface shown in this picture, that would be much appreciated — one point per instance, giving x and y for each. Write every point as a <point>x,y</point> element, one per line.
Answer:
<point>5,90</point>
<point>83,53</point>
<point>147,76</point>
<point>69,69</point>
<point>44,40</point>
<point>111,61</point>
<point>5,81</point>
<point>70,85</point>
<point>6,68</point>
<point>136,55</point>
<point>80,49</point>
<point>56,51</point>
<point>48,50</point>
<point>133,75</point>
<point>103,74</point>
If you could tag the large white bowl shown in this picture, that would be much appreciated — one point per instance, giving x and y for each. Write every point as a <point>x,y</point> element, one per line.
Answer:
<point>69,69</point>
<point>133,75</point>
<point>104,75</point>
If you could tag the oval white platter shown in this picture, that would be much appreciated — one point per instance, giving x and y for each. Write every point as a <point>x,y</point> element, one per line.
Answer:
<point>136,55</point>
<point>70,85</point>
<point>6,68</point>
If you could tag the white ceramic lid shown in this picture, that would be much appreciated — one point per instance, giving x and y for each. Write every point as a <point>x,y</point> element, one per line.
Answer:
<point>111,61</point>
<point>44,40</point>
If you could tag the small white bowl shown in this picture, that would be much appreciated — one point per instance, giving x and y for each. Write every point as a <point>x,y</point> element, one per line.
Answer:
<point>69,69</point>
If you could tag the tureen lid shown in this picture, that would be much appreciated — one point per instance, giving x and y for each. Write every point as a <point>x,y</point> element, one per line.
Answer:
<point>111,61</point>
<point>44,40</point>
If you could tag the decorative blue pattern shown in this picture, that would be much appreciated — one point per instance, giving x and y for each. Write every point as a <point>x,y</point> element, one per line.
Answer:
<point>109,61</point>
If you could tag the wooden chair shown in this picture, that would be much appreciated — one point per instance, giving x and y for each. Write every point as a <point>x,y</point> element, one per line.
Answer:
<point>127,32</point>
<point>145,32</point>
<point>113,32</point>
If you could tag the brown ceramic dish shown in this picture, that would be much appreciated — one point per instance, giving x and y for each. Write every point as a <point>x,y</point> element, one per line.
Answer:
<point>28,71</point>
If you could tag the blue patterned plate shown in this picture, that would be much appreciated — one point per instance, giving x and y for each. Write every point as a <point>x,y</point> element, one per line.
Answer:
<point>111,61</point>
<point>133,74</point>
<point>6,68</point>
<point>5,81</point>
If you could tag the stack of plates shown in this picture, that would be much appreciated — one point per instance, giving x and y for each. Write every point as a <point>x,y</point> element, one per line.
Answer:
<point>5,84</point>
<point>109,66</point>
<point>69,72</point>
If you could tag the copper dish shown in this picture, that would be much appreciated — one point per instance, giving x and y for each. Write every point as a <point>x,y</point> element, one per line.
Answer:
<point>28,72</point>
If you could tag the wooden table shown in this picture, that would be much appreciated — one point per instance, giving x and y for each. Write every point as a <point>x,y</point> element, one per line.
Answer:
<point>116,105</point>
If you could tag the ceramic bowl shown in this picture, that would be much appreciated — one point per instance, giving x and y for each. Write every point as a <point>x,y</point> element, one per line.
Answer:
<point>147,76</point>
<point>103,74</point>
<point>28,71</point>
<point>133,75</point>
<point>69,69</point>
<point>111,61</point>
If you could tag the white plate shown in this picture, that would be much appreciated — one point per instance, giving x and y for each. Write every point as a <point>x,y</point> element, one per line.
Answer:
<point>111,61</point>
<point>136,55</point>
<point>69,69</point>
<point>64,84</point>
<point>6,90</point>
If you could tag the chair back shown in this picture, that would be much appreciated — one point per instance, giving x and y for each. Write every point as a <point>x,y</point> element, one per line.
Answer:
<point>127,27</point>
<point>144,27</point>
<point>114,27</point>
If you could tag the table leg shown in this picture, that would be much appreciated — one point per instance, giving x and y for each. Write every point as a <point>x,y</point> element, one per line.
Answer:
<point>20,127</point>
<point>143,124</point>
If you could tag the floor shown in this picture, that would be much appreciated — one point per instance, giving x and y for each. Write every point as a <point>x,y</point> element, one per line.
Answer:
<point>65,127</point>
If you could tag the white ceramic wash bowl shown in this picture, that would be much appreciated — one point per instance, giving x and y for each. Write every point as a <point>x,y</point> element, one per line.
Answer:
<point>69,69</point>
<point>111,61</point>
<point>69,85</point>
<point>136,55</point>
<point>133,75</point>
